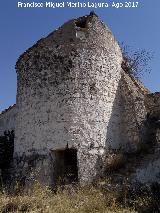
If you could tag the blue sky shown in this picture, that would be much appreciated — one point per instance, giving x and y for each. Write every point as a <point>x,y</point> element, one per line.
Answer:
<point>20,28</point>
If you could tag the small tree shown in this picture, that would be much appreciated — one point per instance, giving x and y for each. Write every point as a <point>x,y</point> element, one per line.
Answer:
<point>135,63</point>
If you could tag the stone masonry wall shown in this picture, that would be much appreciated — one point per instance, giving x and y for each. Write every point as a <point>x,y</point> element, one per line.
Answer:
<point>152,103</point>
<point>67,84</point>
<point>149,171</point>
<point>7,120</point>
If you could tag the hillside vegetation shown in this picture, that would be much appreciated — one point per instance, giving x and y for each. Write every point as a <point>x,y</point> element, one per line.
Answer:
<point>76,199</point>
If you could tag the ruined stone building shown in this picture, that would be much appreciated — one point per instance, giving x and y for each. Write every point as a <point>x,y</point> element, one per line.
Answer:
<point>76,107</point>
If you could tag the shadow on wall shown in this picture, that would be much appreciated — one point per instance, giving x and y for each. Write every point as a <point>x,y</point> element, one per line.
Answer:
<point>126,127</point>
<point>115,137</point>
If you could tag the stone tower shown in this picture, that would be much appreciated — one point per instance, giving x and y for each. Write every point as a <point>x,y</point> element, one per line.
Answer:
<point>67,84</point>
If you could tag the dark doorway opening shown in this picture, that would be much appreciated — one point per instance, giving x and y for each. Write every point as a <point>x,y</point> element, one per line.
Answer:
<point>66,170</point>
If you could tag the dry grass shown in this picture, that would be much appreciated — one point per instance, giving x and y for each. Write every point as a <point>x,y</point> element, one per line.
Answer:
<point>101,198</point>
<point>70,200</point>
